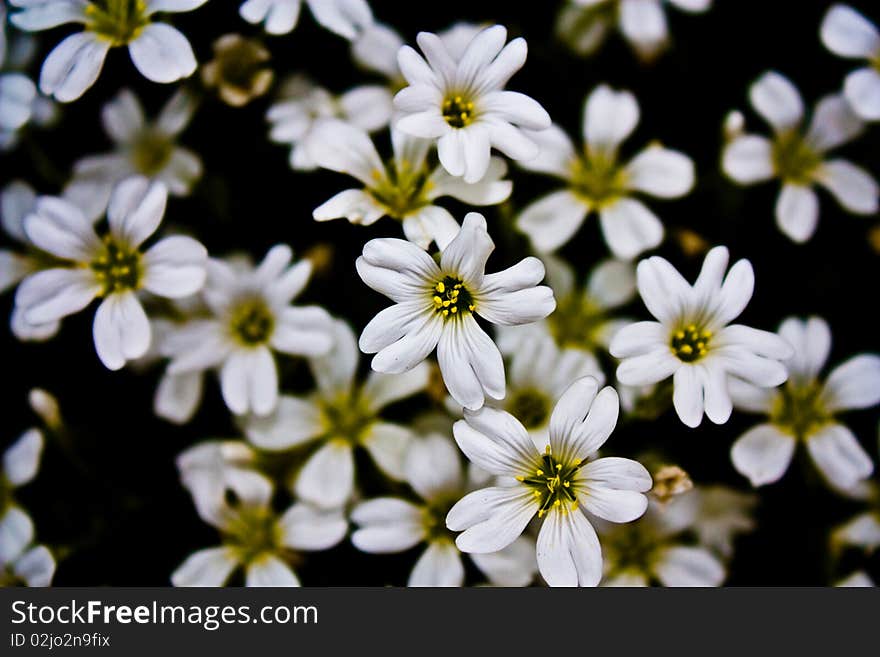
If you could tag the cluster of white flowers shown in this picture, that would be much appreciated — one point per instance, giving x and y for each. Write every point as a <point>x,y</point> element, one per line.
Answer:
<point>505,468</point>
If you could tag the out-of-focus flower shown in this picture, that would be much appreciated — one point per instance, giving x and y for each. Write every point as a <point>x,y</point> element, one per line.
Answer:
<point>238,71</point>
<point>847,33</point>
<point>585,24</point>
<point>657,549</point>
<point>20,561</point>
<point>257,539</point>
<point>404,188</point>
<point>301,104</point>
<point>597,182</point>
<point>141,147</point>
<point>670,481</point>
<point>435,306</point>
<point>798,157</point>
<point>859,579</point>
<point>719,514</point>
<point>251,316</point>
<point>805,410</point>
<point>391,524</point>
<point>341,416</point>
<point>46,407</point>
<point>693,340</point>
<point>558,485</point>
<point>160,52</point>
<point>112,267</point>
<point>461,103</point>
<point>347,18</point>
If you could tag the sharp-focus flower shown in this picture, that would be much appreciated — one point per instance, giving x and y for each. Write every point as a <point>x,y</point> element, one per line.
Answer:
<point>583,318</point>
<point>693,340</point>
<point>798,157</point>
<point>847,33</point>
<point>111,267</point>
<point>141,147</point>
<point>539,373</point>
<point>238,71</point>
<point>257,539</point>
<point>340,416</point>
<point>301,104</point>
<point>404,188</point>
<point>347,18</point>
<point>805,410</point>
<point>160,52</point>
<point>251,316</point>
<point>657,549</point>
<point>435,306</point>
<point>598,182</point>
<point>461,102</point>
<point>392,524</point>
<point>558,485</point>
<point>584,24</point>
<point>20,561</point>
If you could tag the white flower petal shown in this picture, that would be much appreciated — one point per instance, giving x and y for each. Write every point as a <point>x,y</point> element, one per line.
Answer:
<point>568,550</point>
<point>60,228</point>
<point>855,189</point>
<point>162,53</point>
<point>839,456</point>
<point>834,123</point>
<point>609,117</point>
<point>643,23</point>
<point>303,331</point>
<point>178,396</point>
<point>495,441</point>
<point>294,422</point>
<point>36,566</point>
<point>847,33</point>
<point>470,363</point>
<point>210,567</point>
<point>388,445</point>
<point>249,381</point>
<point>687,396</point>
<point>853,384</point>
<point>762,454</point>
<point>556,153</point>
<point>439,565</point>
<point>327,478</point>
<point>689,566</point>
<point>797,212</point>
<point>749,159</point>
<point>661,172</point>
<point>123,117</point>
<point>811,340</point>
<point>492,518</point>
<point>121,330</point>
<point>515,565</point>
<point>269,570</point>
<point>51,294</point>
<point>304,527</point>
<point>614,489</point>
<point>862,89</point>
<point>630,228</point>
<point>21,460</point>
<point>552,220</point>
<point>73,66</point>
<point>175,267</point>
<point>433,467</point>
<point>387,525</point>
<point>136,208</point>
<point>776,99</point>
<point>16,533</point>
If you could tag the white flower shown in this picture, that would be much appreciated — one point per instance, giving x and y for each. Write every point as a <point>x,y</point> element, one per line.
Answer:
<point>160,52</point>
<point>693,340</point>
<point>111,267</point>
<point>654,549</point>
<point>557,485</point>
<point>141,147</point>
<point>584,24</point>
<point>597,182</point>
<point>805,410</point>
<point>260,541</point>
<point>347,18</point>
<point>539,373</point>
<point>798,158</point>
<point>857,579</point>
<point>391,524</point>
<point>19,561</point>
<point>583,318</point>
<point>403,188</point>
<point>301,104</point>
<point>340,416</point>
<point>251,316</point>
<point>435,306</point>
<point>847,33</point>
<point>461,102</point>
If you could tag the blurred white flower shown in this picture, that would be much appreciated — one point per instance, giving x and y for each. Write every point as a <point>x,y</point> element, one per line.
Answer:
<point>391,524</point>
<point>141,147</point>
<point>847,33</point>
<point>558,485</point>
<point>112,267</point>
<point>585,24</point>
<point>403,188</point>
<point>301,104</point>
<point>693,340</point>
<point>598,182</point>
<point>257,539</point>
<point>347,18</point>
<point>718,513</point>
<point>656,549</point>
<point>20,561</point>
<point>250,317</point>
<point>857,579</point>
<point>805,409</point>
<point>160,52</point>
<point>798,157</point>
<point>435,306</point>
<point>460,101</point>
<point>340,416</point>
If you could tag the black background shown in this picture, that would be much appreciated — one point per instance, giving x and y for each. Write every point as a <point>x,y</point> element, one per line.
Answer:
<point>108,499</point>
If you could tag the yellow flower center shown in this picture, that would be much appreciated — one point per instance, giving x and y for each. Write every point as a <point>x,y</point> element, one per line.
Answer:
<point>458,111</point>
<point>798,409</point>
<point>401,188</point>
<point>117,267</point>
<point>118,21</point>
<point>346,417</point>
<point>530,406</point>
<point>151,152</point>
<point>451,298</point>
<point>553,484</point>
<point>252,322</point>
<point>597,179</point>
<point>795,161</point>
<point>252,532</point>
<point>577,322</point>
<point>690,343</point>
